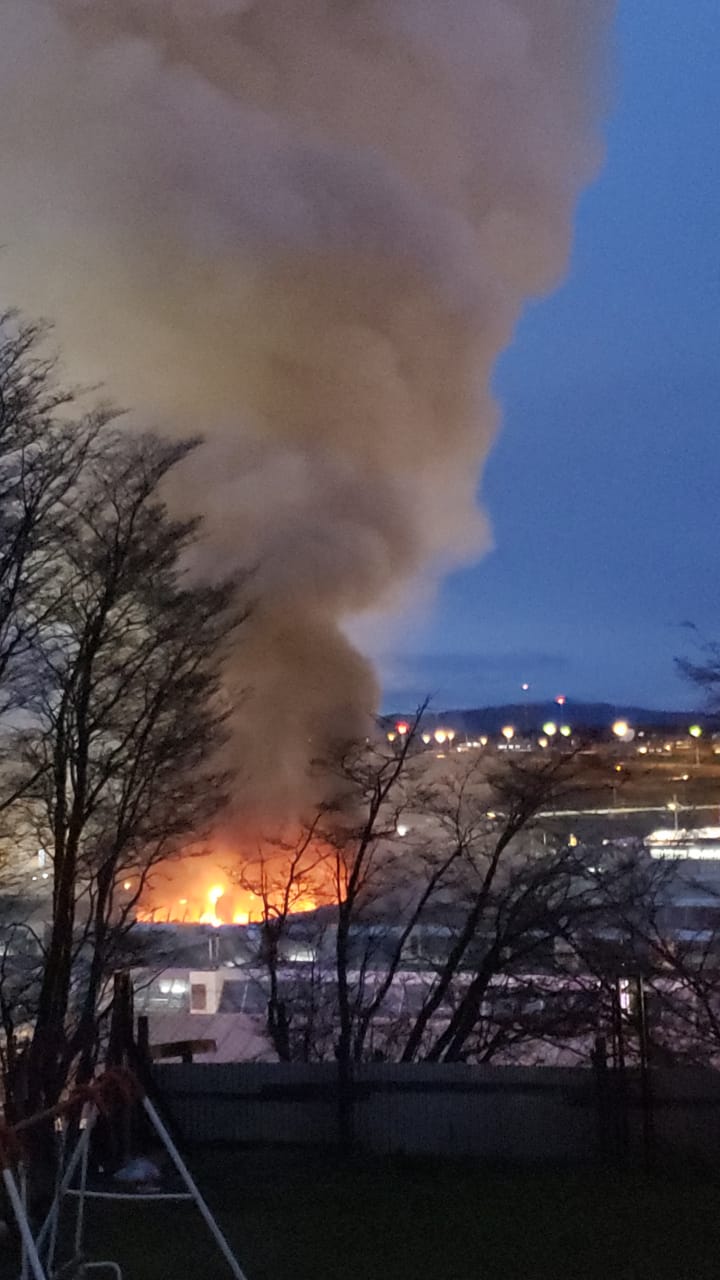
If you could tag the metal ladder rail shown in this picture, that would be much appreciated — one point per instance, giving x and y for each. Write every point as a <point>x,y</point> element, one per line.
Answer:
<point>32,1245</point>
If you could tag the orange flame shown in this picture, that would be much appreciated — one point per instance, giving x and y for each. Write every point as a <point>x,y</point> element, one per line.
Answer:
<point>218,905</point>
<point>196,890</point>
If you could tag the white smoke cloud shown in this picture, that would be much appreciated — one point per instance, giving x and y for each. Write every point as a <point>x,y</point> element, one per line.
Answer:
<point>305,228</point>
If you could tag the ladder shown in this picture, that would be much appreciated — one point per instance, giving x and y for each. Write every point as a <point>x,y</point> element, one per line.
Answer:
<point>39,1251</point>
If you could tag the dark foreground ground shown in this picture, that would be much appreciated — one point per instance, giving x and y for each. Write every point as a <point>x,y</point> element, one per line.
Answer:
<point>309,1218</point>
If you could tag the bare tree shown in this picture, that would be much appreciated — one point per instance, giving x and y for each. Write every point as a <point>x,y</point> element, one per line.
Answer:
<point>669,935</point>
<point>361,838</point>
<point>126,717</point>
<point>443,888</point>
<point>704,670</point>
<point>502,897</point>
<point>676,933</point>
<point>42,453</point>
<point>286,878</point>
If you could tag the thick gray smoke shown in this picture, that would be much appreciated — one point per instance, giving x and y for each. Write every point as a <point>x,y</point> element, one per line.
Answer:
<point>305,228</point>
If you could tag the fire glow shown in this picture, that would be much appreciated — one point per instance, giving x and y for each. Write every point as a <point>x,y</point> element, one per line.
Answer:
<point>196,890</point>
<point>219,904</point>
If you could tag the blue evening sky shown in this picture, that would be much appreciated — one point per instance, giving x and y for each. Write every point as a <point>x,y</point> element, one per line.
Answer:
<point>604,486</point>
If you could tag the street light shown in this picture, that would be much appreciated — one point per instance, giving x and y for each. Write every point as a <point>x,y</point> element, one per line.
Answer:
<point>525,712</point>
<point>695,732</point>
<point>550,728</point>
<point>542,742</point>
<point>440,736</point>
<point>427,738</point>
<point>508,733</point>
<point>621,729</point>
<point>565,730</point>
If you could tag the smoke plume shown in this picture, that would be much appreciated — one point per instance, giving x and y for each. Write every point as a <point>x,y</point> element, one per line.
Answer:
<point>304,228</point>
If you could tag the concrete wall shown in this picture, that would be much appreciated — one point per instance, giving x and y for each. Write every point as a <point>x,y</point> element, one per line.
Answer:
<point>512,1114</point>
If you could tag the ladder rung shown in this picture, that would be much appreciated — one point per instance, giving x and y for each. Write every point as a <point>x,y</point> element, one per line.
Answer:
<point>128,1195</point>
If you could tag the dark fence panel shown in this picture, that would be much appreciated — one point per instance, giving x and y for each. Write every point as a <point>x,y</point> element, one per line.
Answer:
<point>503,1113</point>
<point>516,1114</point>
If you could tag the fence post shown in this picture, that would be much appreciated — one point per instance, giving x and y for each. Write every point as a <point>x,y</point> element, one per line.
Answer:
<point>619,1092</point>
<point>648,1125</point>
<point>598,1058</point>
<point>345,1104</point>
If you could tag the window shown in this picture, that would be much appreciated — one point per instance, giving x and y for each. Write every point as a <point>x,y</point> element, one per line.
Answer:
<point>256,1000</point>
<point>198,997</point>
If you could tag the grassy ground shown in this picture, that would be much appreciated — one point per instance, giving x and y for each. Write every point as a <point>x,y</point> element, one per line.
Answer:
<point>308,1218</point>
